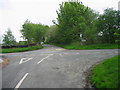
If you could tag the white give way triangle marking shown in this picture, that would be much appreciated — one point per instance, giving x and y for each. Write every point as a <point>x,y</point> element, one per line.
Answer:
<point>23,60</point>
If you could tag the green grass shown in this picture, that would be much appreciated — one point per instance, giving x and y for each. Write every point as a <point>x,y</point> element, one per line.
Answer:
<point>11,50</point>
<point>88,47</point>
<point>105,74</point>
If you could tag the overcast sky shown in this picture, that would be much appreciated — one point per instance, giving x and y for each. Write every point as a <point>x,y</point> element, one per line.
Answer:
<point>13,13</point>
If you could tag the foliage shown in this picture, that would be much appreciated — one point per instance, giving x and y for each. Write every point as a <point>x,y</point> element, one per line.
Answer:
<point>22,43</point>
<point>31,48</point>
<point>107,25</point>
<point>105,74</point>
<point>33,33</point>
<point>39,32</point>
<point>74,19</point>
<point>117,33</point>
<point>52,35</point>
<point>8,38</point>
<point>27,31</point>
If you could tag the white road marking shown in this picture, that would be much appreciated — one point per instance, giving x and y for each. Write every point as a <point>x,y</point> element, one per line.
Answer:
<point>44,58</point>
<point>21,81</point>
<point>61,55</point>
<point>59,49</point>
<point>26,59</point>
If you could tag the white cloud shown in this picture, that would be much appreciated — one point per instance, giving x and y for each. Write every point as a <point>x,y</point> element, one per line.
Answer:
<point>15,12</point>
<point>100,5</point>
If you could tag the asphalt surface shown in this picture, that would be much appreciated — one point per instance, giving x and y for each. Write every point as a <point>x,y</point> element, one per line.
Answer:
<point>51,67</point>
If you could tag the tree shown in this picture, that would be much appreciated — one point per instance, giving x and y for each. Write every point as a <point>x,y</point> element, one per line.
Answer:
<point>8,38</point>
<point>27,31</point>
<point>39,32</point>
<point>52,35</point>
<point>117,33</point>
<point>107,25</point>
<point>74,19</point>
<point>33,33</point>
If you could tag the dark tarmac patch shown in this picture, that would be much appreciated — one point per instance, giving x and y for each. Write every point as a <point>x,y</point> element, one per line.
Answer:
<point>55,68</point>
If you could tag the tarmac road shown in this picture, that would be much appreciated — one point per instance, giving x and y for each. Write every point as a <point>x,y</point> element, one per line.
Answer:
<point>51,67</point>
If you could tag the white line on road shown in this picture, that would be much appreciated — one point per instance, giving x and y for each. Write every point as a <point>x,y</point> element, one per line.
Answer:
<point>61,55</point>
<point>20,82</point>
<point>26,59</point>
<point>44,58</point>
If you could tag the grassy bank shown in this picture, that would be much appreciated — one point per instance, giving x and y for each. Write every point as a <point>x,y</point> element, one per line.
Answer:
<point>11,50</point>
<point>88,47</point>
<point>105,74</point>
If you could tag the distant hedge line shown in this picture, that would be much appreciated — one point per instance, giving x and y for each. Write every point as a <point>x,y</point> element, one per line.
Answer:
<point>16,46</point>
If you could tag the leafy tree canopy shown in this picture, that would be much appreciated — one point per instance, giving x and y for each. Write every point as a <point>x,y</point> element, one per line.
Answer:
<point>33,33</point>
<point>8,38</point>
<point>74,19</point>
<point>108,24</point>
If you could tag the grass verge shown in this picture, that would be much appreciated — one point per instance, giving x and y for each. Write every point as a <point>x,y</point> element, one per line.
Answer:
<point>11,50</point>
<point>105,74</point>
<point>89,47</point>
